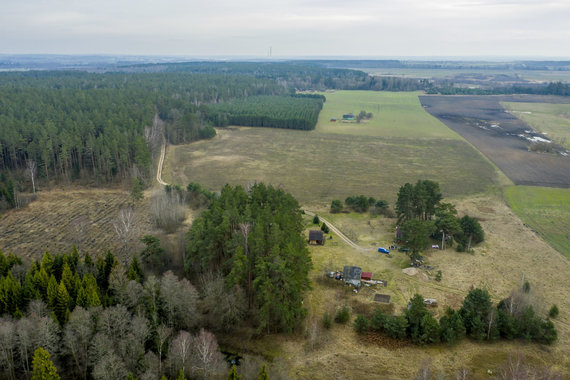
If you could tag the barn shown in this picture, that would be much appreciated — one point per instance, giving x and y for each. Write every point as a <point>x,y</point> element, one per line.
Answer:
<point>316,237</point>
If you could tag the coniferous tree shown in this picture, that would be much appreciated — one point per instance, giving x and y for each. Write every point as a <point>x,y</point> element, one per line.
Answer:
<point>233,374</point>
<point>42,366</point>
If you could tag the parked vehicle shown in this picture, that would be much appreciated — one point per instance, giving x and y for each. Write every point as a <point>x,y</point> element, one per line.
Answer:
<point>383,250</point>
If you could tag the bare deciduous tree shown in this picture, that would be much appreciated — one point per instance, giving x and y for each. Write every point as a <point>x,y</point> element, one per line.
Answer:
<point>109,367</point>
<point>77,338</point>
<point>168,210</point>
<point>126,230</point>
<point>181,353</point>
<point>223,308</point>
<point>31,169</point>
<point>180,300</point>
<point>8,346</point>
<point>162,334</point>
<point>24,336</point>
<point>207,357</point>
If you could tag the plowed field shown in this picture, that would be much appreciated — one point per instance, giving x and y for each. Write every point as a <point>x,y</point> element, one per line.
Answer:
<point>497,134</point>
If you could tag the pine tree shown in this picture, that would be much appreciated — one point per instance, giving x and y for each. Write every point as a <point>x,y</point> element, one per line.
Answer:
<point>233,374</point>
<point>42,366</point>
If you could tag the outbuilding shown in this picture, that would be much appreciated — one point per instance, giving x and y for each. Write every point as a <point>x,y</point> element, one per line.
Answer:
<point>316,237</point>
<point>352,275</point>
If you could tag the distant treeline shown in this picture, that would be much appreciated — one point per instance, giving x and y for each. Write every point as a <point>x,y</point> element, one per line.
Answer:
<point>299,75</point>
<point>446,65</point>
<point>552,88</point>
<point>292,112</point>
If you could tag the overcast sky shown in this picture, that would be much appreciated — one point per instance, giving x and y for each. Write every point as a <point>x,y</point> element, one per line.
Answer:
<point>519,28</point>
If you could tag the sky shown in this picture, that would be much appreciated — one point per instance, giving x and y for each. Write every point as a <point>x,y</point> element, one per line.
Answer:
<point>292,28</point>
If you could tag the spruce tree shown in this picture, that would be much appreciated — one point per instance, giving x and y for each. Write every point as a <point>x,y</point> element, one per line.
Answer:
<point>62,304</point>
<point>42,366</point>
<point>233,374</point>
<point>51,292</point>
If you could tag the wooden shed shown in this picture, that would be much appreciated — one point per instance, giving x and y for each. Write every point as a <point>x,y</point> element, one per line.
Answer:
<point>316,237</point>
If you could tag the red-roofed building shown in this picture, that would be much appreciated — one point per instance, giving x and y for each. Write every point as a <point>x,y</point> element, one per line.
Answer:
<point>366,276</point>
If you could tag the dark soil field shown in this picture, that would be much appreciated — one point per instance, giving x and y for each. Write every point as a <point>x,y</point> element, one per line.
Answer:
<point>502,137</point>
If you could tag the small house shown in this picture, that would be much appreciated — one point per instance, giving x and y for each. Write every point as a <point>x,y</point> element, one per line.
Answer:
<point>333,119</point>
<point>316,237</point>
<point>352,275</point>
<point>366,276</point>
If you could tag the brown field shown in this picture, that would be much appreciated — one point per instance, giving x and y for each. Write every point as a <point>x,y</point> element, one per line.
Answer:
<point>485,124</point>
<point>47,223</point>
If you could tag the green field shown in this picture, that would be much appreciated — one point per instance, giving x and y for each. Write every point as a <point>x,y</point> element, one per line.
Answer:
<point>546,210</point>
<point>395,114</point>
<point>402,143</point>
<point>551,119</point>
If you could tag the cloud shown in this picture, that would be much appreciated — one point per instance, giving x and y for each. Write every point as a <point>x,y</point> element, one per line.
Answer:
<point>294,27</point>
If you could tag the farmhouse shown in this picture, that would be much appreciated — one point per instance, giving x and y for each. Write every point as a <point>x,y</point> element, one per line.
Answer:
<point>316,237</point>
<point>352,275</point>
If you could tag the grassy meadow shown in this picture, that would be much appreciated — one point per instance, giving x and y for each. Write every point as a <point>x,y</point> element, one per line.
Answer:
<point>401,143</point>
<point>546,210</point>
<point>551,119</point>
<point>395,114</point>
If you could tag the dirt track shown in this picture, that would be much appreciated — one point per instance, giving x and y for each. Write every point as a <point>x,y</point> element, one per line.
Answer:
<point>485,124</point>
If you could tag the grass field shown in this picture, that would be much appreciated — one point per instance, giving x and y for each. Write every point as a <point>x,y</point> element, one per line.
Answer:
<point>551,119</point>
<point>546,210</point>
<point>396,114</point>
<point>402,143</point>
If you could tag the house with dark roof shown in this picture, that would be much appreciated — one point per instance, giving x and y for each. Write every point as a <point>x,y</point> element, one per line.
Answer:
<point>352,275</point>
<point>316,237</point>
